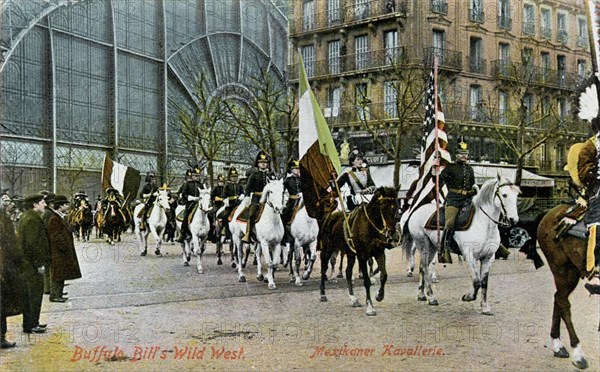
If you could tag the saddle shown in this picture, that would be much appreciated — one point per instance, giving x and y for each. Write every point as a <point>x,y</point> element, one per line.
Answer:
<point>463,219</point>
<point>181,214</point>
<point>243,216</point>
<point>148,212</point>
<point>295,212</point>
<point>572,222</point>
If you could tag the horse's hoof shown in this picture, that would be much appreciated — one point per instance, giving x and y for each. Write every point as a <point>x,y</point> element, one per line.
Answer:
<point>233,265</point>
<point>305,276</point>
<point>433,302</point>
<point>468,298</point>
<point>323,298</point>
<point>265,280</point>
<point>292,279</point>
<point>260,277</point>
<point>487,312</point>
<point>421,297</point>
<point>200,271</point>
<point>157,252</point>
<point>562,353</point>
<point>186,264</point>
<point>356,304</point>
<point>581,364</point>
<point>299,283</point>
<point>409,274</point>
<point>219,262</point>
<point>242,279</point>
<point>371,312</point>
<point>143,253</point>
<point>379,298</point>
<point>435,280</point>
<point>272,286</point>
<point>339,275</point>
<point>243,266</point>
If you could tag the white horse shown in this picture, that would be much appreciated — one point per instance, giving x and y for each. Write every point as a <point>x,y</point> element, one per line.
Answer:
<point>199,227</point>
<point>268,231</point>
<point>497,199</point>
<point>304,231</point>
<point>155,224</point>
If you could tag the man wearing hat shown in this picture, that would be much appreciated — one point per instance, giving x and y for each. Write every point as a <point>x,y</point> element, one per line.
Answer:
<point>233,192</point>
<point>217,197</point>
<point>148,195</point>
<point>32,240</point>
<point>190,193</point>
<point>460,181</point>
<point>255,185</point>
<point>65,265</point>
<point>358,182</point>
<point>292,185</point>
<point>49,199</point>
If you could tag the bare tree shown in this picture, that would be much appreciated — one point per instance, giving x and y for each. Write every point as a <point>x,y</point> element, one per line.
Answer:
<point>266,118</point>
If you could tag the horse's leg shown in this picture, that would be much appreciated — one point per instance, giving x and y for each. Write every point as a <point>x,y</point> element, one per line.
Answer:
<point>349,267</point>
<point>197,249</point>
<point>339,274</point>
<point>219,249</point>
<point>239,248</point>
<point>297,261</point>
<point>485,275</point>
<point>333,259</point>
<point>257,252</point>
<point>311,262</point>
<point>411,261</point>
<point>425,275</point>
<point>382,276</point>
<point>363,266</point>
<point>271,261</point>
<point>475,276</point>
<point>157,233</point>
<point>325,257</point>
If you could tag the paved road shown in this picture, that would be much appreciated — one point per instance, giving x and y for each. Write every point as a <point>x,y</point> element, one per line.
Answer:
<point>151,313</point>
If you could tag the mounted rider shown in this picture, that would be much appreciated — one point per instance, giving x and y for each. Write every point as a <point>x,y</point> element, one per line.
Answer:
<point>233,192</point>
<point>255,185</point>
<point>217,197</point>
<point>459,178</point>
<point>80,198</point>
<point>190,193</point>
<point>358,182</point>
<point>148,195</point>
<point>292,185</point>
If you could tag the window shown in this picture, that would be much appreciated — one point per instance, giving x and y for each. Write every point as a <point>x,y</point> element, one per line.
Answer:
<point>308,57</point>
<point>334,57</point>
<point>504,58</point>
<point>362,101</point>
<point>390,41</point>
<point>545,65</point>
<point>308,15</point>
<point>439,6</point>
<point>362,9</point>
<point>389,99</point>
<point>529,19</point>
<point>563,108</point>
<point>333,12</point>
<point>504,20</point>
<point>561,26</point>
<point>476,57</point>
<point>502,107</point>
<point>476,11</point>
<point>361,50</point>
<point>475,103</point>
<point>581,69</point>
<point>439,41</point>
<point>335,98</point>
<point>582,33</point>
<point>546,27</point>
<point>527,60</point>
<point>528,103</point>
<point>561,69</point>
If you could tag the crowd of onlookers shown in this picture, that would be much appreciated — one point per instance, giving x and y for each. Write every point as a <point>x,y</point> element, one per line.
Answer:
<point>37,255</point>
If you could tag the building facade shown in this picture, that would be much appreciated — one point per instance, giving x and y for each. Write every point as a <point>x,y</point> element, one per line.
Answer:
<point>501,62</point>
<point>81,79</point>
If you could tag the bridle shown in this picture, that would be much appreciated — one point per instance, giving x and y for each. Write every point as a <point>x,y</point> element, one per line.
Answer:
<point>504,222</point>
<point>385,230</point>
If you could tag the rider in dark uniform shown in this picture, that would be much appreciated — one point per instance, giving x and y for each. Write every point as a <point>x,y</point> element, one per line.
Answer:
<point>292,185</point>
<point>148,195</point>
<point>255,185</point>
<point>217,197</point>
<point>460,181</point>
<point>358,182</point>
<point>190,193</point>
<point>233,191</point>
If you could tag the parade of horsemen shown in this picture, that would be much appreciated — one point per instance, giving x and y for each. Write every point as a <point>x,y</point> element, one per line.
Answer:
<point>374,185</point>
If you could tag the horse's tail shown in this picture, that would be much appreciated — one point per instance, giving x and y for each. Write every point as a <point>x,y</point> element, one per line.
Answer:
<point>406,242</point>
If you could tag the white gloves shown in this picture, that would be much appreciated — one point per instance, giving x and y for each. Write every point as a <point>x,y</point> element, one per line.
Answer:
<point>41,270</point>
<point>193,198</point>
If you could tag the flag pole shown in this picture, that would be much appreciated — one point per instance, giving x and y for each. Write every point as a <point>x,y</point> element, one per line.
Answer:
<point>590,20</point>
<point>437,147</point>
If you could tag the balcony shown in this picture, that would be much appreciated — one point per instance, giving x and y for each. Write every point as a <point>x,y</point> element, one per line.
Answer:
<point>504,22</point>
<point>529,74</point>
<point>583,41</point>
<point>439,7</point>
<point>562,36</point>
<point>447,59</point>
<point>546,32</point>
<point>356,12</point>
<point>477,65</point>
<point>476,15</point>
<point>529,28</point>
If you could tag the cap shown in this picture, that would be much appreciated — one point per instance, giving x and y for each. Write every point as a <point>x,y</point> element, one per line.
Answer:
<point>32,199</point>
<point>60,200</point>
<point>262,157</point>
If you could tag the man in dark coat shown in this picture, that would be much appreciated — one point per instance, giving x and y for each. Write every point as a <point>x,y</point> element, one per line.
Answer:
<point>460,181</point>
<point>65,265</point>
<point>11,265</point>
<point>233,191</point>
<point>190,193</point>
<point>32,240</point>
<point>292,185</point>
<point>148,195</point>
<point>49,199</point>
<point>255,185</point>
<point>217,197</point>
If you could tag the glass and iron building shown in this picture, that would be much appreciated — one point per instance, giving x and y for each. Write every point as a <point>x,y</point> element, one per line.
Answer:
<point>81,79</point>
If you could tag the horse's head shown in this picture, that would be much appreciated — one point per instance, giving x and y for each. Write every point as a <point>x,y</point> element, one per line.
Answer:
<point>386,200</point>
<point>204,200</point>
<point>162,200</point>
<point>502,194</point>
<point>273,195</point>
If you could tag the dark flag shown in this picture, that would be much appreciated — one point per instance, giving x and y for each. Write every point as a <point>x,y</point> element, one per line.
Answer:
<point>121,177</point>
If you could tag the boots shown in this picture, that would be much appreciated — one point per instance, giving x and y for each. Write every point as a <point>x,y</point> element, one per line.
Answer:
<point>502,252</point>
<point>593,286</point>
<point>143,224</point>
<point>5,344</point>
<point>444,253</point>
<point>247,239</point>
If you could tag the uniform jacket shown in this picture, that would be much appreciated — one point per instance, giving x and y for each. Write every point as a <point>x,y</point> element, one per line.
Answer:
<point>149,188</point>
<point>65,265</point>
<point>458,176</point>
<point>11,265</point>
<point>233,192</point>
<point>32,240</point>
<point>364,180</point>
<point>190,188</point>
<point>587,167</point>
<point>256,183</point>
<point>217,195</point>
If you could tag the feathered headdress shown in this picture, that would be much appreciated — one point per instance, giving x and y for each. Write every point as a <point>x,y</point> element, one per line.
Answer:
<point>587,105</point>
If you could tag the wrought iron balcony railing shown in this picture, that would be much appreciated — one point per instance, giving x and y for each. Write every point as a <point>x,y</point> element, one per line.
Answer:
<point>583,41</point>
<point>562,36</point>
<point>529,74</point>
<point>476,15</point>
<point>529,28</point>
<point>447,59</point>
<point>546,32</point>
<point>477,65</point>
<point>505,22</point>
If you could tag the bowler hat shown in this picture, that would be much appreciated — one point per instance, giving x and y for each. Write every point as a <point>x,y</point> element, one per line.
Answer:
<point>60,200</point>
<point>33,199</point>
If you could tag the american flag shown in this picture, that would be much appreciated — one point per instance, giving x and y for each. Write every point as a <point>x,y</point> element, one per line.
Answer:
<point>422,191</point>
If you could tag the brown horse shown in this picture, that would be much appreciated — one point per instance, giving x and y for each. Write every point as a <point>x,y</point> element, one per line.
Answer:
<point>566,257</point>
<point>371,232</point>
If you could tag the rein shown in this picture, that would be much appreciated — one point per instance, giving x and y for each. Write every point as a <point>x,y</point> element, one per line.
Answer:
<point>500,223</point>
<point>385,229</point>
